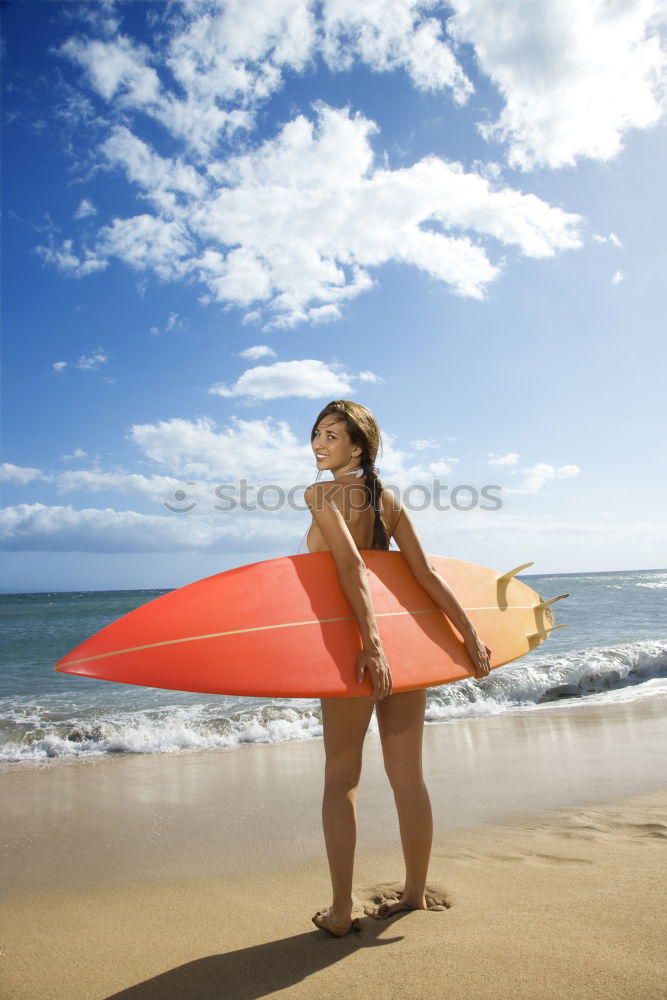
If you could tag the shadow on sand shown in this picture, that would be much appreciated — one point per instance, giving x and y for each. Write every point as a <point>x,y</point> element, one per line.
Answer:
<point>251,973</point>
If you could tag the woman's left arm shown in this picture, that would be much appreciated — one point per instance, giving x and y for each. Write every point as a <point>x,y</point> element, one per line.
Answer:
<point>439,591</point>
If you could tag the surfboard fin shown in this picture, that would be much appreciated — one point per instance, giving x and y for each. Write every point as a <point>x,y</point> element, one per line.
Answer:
<point>552,600</point>
<point>513,572</point>
<point>545,632</point>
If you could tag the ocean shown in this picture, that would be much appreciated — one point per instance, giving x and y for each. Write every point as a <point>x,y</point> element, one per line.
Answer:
<point>614,650</point>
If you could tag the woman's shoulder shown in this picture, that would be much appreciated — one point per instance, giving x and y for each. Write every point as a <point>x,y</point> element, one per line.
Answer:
<point>320,488</point>
<point>327,489</point>
<point>391,509</point>
<point>320,493</point>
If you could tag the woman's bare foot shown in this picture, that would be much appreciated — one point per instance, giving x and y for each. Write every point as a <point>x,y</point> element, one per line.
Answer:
<point>324,920</point>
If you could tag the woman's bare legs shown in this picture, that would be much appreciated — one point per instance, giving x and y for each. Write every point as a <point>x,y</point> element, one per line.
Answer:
<point>345,721</point>
<point>401,723</point>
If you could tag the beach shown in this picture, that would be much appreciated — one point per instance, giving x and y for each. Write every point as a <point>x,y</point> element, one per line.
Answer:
<point>195,875</point>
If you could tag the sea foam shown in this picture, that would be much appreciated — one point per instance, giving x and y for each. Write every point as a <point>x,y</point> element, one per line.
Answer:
<point>37,729</point>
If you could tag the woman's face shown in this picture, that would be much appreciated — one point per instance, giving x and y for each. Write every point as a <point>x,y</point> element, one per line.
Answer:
<point>332,446</point>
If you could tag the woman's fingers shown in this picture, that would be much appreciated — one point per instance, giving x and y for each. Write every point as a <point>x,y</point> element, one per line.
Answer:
<point>361,668</point>
<point>379,671</point>
<point>480,654</point>
<point>381,684</point>
<point>384,681</point>
<point>383,689</point>
<point>484,659</point>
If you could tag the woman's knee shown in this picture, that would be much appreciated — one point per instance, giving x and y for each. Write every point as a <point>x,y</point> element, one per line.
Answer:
<point>405,777</point>
<point>342,776</point>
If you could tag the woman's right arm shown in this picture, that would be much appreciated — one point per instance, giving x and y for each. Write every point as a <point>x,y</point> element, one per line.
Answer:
<point>440,592</point>
<point>354,582</point>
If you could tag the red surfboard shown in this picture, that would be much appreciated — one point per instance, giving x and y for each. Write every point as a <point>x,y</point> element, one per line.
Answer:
<point>283,628</point>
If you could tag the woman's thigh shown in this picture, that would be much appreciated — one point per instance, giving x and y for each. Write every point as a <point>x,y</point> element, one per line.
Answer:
<point>401,724</point>
<point>344,722</point>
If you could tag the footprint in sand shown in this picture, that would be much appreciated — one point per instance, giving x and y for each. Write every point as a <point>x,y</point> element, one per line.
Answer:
<point>383,902</point>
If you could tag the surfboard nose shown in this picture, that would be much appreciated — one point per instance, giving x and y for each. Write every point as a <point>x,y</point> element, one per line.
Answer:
<point>68,663</point>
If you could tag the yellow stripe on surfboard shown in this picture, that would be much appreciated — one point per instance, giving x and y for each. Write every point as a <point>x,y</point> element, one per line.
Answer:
<point>268,628</point>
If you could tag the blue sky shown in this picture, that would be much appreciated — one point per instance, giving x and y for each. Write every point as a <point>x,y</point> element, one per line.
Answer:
<point>219,216</point>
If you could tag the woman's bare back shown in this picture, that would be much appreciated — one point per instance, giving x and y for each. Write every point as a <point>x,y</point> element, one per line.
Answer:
<point>353,502</point>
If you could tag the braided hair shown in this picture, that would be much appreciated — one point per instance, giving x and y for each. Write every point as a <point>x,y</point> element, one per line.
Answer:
<point>365,434</point>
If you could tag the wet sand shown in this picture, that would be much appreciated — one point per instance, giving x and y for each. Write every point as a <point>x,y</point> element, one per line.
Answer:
<point>195,875</point>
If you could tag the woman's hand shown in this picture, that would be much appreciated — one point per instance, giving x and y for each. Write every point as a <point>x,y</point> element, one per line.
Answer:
<point>372,659</point>
<point>479,653</point>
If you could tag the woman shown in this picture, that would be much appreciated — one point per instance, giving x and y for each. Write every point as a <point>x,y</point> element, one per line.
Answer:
<point>351,513</point>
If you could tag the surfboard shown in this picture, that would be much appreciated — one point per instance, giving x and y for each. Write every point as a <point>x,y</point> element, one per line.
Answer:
<point>283,628</point>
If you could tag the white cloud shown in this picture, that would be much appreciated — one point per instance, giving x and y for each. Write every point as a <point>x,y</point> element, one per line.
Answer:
<point>293,228</point>
<point>91,362</point>
<point>117,69</point>
<point>617,277</point>
<point>85,209</point>
<point>259,450</point>
<point>66,261</point>
<point>228,57</point>
<point>575,76</point>
<point>490,538</point>
<point>567,471</point>
<point>38,527</point>
<point>155,488</point>
<point>175,322</point>
<point>195,458</point>
<point>232,53</point>
<point>256,352</point>
<point>323,314</point>
<point>421,444</point>
<point>399,470</point>
<point>101,17</point>
<point>392,35</point>
<point>510,459</point>
<point>240,277</point>
<point>146,242</point>
<point>17,474</point>
<point>86,362</point>
<point>535,477</point>
<point>308,378</point>
<point>309,215</point>
<point>157,175</point>
<point>612,238</point>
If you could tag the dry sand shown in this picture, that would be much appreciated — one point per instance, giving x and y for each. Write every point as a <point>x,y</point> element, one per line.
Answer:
<point>194,876</point>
